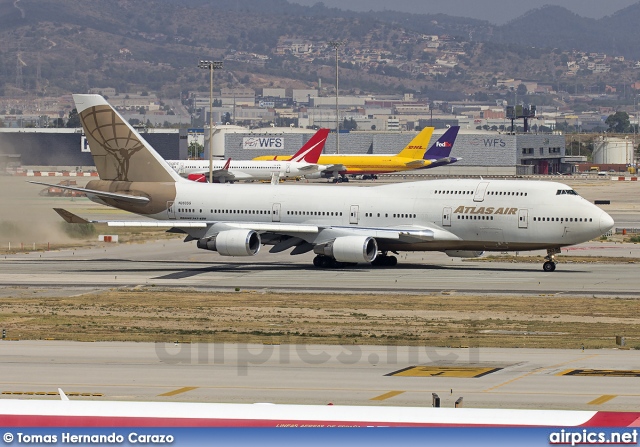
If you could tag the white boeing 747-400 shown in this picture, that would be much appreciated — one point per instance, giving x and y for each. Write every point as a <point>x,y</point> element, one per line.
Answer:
<point>461,217</point>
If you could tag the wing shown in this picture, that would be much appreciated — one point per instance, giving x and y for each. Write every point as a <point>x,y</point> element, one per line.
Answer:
<point>309,168</point>
<point>69,217</point>
<point>335,168</point>
<point>274,233</point>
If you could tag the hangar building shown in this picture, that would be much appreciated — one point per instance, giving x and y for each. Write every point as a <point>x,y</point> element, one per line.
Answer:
<point>482,153</point>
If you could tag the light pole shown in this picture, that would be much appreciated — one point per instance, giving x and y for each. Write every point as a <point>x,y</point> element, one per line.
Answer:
<point>336,44</point>
<point>210,65</point>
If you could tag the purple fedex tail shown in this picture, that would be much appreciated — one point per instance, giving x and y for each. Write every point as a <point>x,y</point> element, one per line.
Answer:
<point>438,153</point>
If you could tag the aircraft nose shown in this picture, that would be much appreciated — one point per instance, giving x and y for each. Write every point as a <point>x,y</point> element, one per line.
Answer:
<point>606,222</point>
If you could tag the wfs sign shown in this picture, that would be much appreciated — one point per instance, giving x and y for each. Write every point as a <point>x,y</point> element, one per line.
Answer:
<point>262,143</point>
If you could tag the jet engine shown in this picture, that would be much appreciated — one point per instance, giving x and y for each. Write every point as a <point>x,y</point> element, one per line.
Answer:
<point>349,249</point>
<point>233,243</point>
<point>464,253</point>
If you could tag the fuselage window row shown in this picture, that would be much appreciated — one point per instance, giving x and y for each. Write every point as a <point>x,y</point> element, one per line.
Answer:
<point>467,217</point>
<point>494,193</point>
<point>314,213</point>
<point>562,219</point>
<point>183,210</point>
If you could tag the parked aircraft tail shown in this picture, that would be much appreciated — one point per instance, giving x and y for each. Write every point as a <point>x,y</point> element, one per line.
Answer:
<point>118,150</point>
<point>417,146</point>
<point>442,147</point>
<point>310,152</point>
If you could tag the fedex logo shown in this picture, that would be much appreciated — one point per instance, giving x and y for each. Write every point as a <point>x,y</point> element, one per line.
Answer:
<point>443,144</point>
<point>262,143</point>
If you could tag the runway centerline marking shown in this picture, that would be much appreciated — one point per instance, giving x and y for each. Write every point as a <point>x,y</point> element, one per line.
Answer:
<point>388,395</point>
<point>600,373</point>
<point>602,399</point>
<point>444,371</point>
<point>178,391</point>
<point>537,371</point>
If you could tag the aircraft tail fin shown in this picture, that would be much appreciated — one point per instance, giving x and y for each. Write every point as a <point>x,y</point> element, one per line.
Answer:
<point>118,150</point>
<point>311,150</point>
<point>442,147</point>
<point>417,146</point>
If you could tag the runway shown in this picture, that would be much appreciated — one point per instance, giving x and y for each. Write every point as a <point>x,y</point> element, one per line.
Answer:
<point>315,374</point>
<point>298,374</point>
<point>177,264</point>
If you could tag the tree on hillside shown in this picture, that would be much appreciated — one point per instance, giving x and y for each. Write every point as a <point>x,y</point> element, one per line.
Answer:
<point>618,122</point>
<point>522,90</point>
<point>74,119</point>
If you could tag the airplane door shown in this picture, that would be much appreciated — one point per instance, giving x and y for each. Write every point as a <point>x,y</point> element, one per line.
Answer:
<point>288,168</point>
<point>171,211</point>
<point>275,212</point>
<point>446,216</point>
<point>353,214</point>
<point>482,188</point>
<point>523,219</point>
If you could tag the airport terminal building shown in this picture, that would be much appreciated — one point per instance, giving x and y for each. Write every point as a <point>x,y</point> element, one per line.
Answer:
<point>481,153</point>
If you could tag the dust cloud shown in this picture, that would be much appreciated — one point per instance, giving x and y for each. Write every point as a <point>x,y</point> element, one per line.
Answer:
<point>28,218</point>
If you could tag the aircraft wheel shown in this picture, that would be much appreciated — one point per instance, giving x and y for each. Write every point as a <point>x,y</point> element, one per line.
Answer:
<point>385,261</point>
<point>317,261</point>
<point>549,266</point>
<point>339,180</point>
<point>345,179</point>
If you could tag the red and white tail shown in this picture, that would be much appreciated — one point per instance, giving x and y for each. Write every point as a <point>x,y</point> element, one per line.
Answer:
<point>226,165</point>
<point>311,151</point>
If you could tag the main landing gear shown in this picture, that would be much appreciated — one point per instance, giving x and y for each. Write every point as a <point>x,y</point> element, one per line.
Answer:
<point>327,262</point>
<point>340,179</point>
<point>550,264</point>
<point>384,260</point>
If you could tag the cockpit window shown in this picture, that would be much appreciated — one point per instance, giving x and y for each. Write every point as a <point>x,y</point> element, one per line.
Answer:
<point>567,191</point>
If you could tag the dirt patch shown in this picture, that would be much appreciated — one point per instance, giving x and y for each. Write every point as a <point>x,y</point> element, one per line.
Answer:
<point>455,320</point>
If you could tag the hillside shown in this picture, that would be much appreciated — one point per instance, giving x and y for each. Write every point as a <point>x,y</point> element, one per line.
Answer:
<point>60,46</point>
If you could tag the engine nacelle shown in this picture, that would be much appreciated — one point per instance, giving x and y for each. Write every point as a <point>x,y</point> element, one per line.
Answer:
<point>312,175</point>
<point>464,253</point>
<point>233,243</point>
<point>350,249</point>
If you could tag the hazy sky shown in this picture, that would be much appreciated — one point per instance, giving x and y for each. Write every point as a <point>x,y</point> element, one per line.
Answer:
<point>495,11</point>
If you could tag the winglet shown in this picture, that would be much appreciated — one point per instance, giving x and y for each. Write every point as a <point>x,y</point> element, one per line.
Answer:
<point>442,147</point>
<point>70,217</point>
<point>62,395</point>
<point>311,150</point>
<point>226,165</point>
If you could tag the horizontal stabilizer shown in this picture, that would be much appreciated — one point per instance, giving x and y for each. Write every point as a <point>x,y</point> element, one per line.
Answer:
<point>69,217</point>
<point>138,200</point>
<point>415,164</point>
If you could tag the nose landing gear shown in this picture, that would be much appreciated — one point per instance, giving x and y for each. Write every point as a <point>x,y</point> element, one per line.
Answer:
<point>550,264</point>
